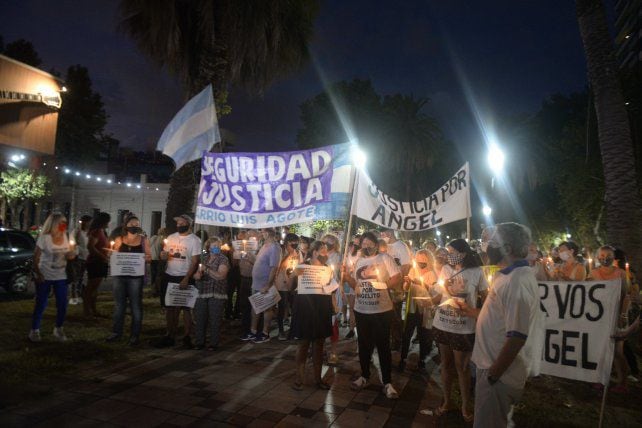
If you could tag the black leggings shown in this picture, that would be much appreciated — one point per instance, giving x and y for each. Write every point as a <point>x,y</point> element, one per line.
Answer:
<point>424,335</point>
<point>374,331</point>
<point>629,354</point>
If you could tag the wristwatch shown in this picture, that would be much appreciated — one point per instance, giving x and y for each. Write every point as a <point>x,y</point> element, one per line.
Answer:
<point>492,379</point>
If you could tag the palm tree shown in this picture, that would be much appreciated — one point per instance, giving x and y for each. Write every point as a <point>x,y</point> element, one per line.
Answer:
<point>622,197</point>
<point>249,44</point>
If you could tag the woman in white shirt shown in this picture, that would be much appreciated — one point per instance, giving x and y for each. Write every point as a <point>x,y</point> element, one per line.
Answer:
<point>49,267</point>
<point>461,280</point>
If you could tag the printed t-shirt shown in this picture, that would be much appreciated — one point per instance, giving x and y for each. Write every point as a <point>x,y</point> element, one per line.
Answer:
<point>268,257</point>
<point>512,309</point>
<point>180,250</point>
<point>370,300</point>
<point>52,257</point>
<point>463,284</point>
<point>400,253</point>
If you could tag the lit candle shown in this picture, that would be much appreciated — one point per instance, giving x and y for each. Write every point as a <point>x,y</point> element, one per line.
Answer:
<point>628,272</point>
<point>164,242</point>
<point>414,264</point>
<point>112,245</point>
<point>377,272</point>
<point>244,242</point>
<point>200,267</point>
<point>490,278</point>
<point>410,243</point>
<point>421,278</point>
<point>590,262</point>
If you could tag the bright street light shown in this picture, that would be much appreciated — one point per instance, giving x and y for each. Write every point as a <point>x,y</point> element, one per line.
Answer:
<point>495,159</point>
<point>359,157</point>
<point>487,210</point>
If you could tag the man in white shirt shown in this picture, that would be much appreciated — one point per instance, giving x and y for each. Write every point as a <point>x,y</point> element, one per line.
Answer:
<point>182,252</point>
<point>508,341</point>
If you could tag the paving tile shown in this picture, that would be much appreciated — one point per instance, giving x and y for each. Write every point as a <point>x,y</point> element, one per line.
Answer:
<point>324,417</point>
<point>260,423</point>
<point>239,419</point>
<point>331,408</point>
<point>303,412</point>
<point>272,416</point>
<point>105,409</point>
<point>181,420</point>
<point>142,417</point>
<point>255,412</point>
<point>219,415</point>
<point>358,418</point>
<point>197,411</point>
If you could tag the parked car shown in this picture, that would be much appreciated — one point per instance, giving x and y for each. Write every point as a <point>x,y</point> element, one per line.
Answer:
<point>16,258</point>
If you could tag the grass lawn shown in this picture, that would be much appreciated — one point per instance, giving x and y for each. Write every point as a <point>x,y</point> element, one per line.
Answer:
<point>31,370</point>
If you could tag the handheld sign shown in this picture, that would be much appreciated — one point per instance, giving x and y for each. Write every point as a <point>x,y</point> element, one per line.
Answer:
<point>261,302</point>
<point>127,264</point>
<point>313,279</point>
<point>177,297</point>
<point>244,246</point>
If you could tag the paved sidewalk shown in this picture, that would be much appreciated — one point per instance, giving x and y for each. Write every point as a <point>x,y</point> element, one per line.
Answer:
<point>242,384</point>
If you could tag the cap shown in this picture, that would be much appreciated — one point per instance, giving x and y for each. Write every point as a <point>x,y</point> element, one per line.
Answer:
<point>185,217</point>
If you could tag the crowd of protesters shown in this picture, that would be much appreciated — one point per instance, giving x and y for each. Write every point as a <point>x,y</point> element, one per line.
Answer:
<point>484,324</point>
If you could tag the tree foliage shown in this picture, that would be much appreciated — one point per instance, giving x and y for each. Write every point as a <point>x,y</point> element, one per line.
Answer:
<point>23,51</point>
<point>18,186</point>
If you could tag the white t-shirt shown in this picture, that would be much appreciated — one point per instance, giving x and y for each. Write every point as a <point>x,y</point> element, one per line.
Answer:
<point>419,290</point>
<point>80,236</point>
<point>53,258</point>
<point>512,308</point>
<point>463,284</point>
<point>350,263</point>
<point>370,300</point>
<point>180,251</point>
<point>400,252</point>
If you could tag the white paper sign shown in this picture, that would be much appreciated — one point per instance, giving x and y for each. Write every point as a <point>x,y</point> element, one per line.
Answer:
<point>451,202</point>
<point>579,318</point>
<point>177,297</point>
<point>243,247</point>
<point>313,279</point>
<point>128,264</point>
<point>328,289</point>
<point>261,302</point>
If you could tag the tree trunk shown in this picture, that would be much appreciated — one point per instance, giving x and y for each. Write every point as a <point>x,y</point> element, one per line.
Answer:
<point>621,197</point>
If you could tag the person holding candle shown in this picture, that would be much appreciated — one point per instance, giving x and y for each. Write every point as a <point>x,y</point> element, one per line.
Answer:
<point>461,281</point>
<point>97,261</point>
<point>348,292</point>
<point>211,281</point>
<point>535,263</point>
<point>419,284</point>
<point>608,270</point>
<point>373,275</point>
<point>78,239</point>
<point>570,269</point>
<point>312,322</point>
<point>334,261</point>
<point>289,260</point>
<point>49,267</point>
<point>129,287</point>
<point>246,263</point>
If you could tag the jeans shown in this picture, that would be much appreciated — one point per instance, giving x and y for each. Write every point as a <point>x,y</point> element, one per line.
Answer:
<point>208,310</point>
<point>42,295</point>
<point>245,289</point>
<point>283,306</point>
<point>374,331</point>
<point>128,288</point>
<point>424,335</point>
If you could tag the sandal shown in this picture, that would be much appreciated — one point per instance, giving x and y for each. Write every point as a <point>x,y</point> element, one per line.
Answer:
<point>441,410</point>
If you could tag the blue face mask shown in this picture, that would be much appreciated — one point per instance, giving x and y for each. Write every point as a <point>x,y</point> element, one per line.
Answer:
<point>215,250</point>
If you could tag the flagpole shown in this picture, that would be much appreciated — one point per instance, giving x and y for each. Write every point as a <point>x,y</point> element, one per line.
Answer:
<point>354,177</point>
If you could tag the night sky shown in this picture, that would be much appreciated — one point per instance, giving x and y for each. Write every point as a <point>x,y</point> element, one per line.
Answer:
<point>499,57</point>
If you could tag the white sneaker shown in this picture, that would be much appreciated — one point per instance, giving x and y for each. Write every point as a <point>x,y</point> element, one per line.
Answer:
<point>73,301</point>
<point>632,378</point>
<point>59,334</point>
<point>390,391</point>
<point>358,384</point>
<point>34,336</point>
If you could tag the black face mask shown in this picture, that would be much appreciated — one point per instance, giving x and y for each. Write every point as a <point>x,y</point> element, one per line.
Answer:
<point>182,229</point>
<point>322,259</point>
<point>495,255</point>
<point>134,230</point>
<point>370,251</point>
<point>294,246</point>
<point>608,261</point>
<point>422,265</point>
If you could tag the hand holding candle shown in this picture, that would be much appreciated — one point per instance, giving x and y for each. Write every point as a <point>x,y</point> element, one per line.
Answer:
<point>111,245</point>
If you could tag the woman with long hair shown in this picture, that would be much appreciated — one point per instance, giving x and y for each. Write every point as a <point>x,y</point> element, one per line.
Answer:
<point>49,267</point>
<point>461,280</point>
<point>570,269</point>
<point>312,322</point>
<point>129,287</point>
<point>97,261</point>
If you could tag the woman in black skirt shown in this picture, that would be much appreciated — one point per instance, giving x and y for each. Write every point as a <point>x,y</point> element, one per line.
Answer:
<point>312,321</point>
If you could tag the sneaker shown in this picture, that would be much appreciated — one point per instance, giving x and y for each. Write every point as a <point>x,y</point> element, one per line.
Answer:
<point>73,301</point>
<point>187,342</point>
<point>333,360</point>
<point>261,338</point>
<point>59,334</point>
<point>358,384</point>
<point>390,391</point>
<point>283,336</point>
<point>34,336</point>
<point>632,378</point>
<point>350,334</point>
<point>248,337</point>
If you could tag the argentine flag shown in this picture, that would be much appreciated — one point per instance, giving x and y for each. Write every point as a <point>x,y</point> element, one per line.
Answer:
<point>192,130</point>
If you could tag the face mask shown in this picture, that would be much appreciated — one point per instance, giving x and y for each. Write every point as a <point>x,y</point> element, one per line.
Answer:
<point>565,255</point>
<point>322,259</point>
<point>182,229</point>
<point>62,227</point>
<point>215,250</point>
<point>484,247</point>
<point>495,255</point>
<point>369,251</point>
<point>531,257</point>
<point>329,245</point>
<point>455,259</point>
<point>422,265</point>
<point>608,261</point>
<point>386,240</point>
<point>134,230</point>
<point>294,246</point>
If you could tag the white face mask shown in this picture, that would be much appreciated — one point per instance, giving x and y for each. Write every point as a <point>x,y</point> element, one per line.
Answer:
<point>565,255</point>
